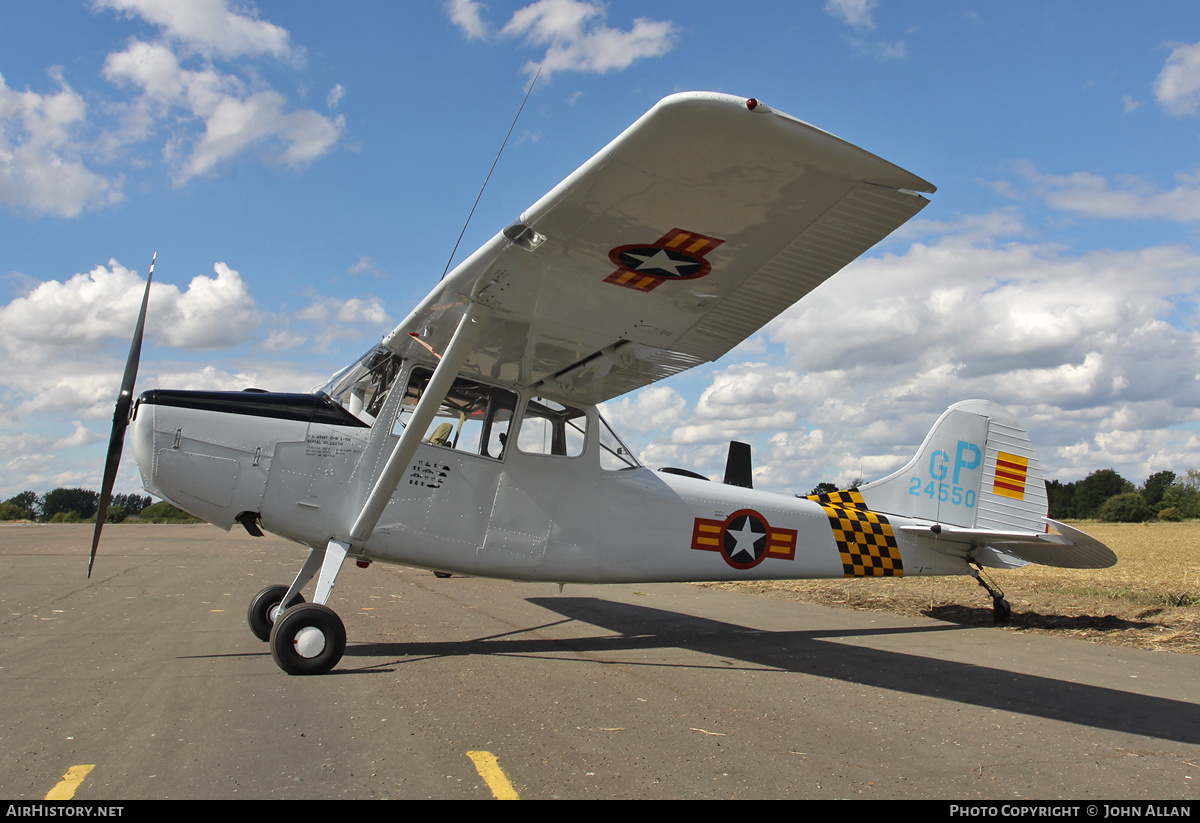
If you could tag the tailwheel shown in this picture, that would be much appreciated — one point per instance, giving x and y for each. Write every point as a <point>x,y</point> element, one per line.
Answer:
<point>308,639</point>
<point>1001,609</point>
<point>265,608</point>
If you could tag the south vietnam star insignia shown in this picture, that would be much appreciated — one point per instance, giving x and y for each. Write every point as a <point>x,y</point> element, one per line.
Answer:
<point>677,255</point>
<point>744,539</point>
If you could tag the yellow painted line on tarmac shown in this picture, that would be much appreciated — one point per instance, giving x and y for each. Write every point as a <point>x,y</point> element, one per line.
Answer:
<point>66,787</point>
<point>489,769</point>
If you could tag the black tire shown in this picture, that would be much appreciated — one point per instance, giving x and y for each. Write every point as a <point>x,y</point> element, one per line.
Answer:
<point>261,606</point>
<point>308,639</point>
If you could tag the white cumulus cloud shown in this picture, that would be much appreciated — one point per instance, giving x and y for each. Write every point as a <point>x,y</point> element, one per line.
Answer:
<point>194,88</point>
<point>87,309</point>
<point>234,116</point>
<point>211,28</point>
<point>468,16</point>
<point>1177,87</point>
<point>1128,197</point>
<point>573,33</point>
<point>42,153</point>
<point>855,13</point>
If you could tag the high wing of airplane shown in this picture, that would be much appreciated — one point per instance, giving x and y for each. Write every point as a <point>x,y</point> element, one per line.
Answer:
<point>690,231</point>
<point>469,440</point>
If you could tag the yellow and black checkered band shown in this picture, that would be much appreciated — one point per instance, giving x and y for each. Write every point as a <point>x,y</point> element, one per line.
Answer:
<point>864,538</point>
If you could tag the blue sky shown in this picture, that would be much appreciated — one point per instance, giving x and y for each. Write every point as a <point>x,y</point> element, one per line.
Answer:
<point>303,170</point>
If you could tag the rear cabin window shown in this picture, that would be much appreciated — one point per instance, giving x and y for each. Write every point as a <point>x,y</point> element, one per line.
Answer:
<point>614,455</point>
<point>550,427</point>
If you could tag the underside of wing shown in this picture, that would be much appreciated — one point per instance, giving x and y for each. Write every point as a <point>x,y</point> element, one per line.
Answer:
<point>680,239</point>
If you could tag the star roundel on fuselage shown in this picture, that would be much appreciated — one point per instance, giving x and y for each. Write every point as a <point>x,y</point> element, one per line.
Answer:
<point>744,539</point>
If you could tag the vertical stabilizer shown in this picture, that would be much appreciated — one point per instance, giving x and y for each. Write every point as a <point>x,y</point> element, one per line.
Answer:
<point>976,468</point>
<point>738,468</point>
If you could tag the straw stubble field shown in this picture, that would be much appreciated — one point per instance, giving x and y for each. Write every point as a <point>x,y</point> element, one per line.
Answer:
<point>1149,600</point>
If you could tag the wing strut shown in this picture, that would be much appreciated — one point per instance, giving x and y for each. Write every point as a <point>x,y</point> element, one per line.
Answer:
<point>455,355</point>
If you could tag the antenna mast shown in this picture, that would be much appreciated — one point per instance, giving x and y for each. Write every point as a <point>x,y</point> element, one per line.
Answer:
<point>489,174</point>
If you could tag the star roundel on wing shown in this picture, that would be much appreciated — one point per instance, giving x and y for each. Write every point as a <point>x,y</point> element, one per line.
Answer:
<point>744,539</point>
<point>677,255</point>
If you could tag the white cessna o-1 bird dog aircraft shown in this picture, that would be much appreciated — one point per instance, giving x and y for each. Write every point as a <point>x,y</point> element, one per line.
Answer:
<point>468,440</point>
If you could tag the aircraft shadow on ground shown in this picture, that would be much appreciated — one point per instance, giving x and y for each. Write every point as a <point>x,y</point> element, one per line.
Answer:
<point>816,653</point>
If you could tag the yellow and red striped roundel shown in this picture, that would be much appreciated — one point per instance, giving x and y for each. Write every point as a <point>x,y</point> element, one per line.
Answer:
<point>744,539</point>
<point>677,255</point>
<point>1011,471</point>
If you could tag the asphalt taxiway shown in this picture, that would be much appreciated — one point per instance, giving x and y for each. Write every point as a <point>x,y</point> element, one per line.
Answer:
<point>148,673</point>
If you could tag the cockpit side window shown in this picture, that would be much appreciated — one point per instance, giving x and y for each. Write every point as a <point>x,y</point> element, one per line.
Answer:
<point>550,427</point>
<point>362,387</point>
<point>474,418</point>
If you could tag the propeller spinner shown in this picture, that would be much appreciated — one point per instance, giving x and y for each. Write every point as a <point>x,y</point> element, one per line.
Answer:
<point>116,440</point>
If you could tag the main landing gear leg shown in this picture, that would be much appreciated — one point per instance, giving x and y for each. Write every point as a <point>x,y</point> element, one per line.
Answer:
<point>1001,610</point>
<point>305,638</point>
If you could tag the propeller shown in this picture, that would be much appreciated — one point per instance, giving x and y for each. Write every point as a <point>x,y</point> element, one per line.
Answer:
<point>116,440</point>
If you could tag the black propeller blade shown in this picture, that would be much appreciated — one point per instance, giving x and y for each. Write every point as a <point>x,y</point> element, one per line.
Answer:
<point>116,440</point>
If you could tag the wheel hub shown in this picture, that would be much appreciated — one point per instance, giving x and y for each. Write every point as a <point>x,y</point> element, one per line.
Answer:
<point>309,642</point>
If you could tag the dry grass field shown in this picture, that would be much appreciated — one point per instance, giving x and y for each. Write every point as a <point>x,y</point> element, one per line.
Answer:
<point>1149,600</point>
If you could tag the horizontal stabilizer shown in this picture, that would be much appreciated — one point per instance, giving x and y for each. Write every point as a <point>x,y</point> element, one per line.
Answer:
<point>1068,549</point>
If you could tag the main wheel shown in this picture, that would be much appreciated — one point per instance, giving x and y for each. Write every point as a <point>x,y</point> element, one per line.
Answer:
<point>308,639</point>
<point>265,608</point>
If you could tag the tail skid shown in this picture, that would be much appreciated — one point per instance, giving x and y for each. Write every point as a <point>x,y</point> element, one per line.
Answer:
<point>977,482</point>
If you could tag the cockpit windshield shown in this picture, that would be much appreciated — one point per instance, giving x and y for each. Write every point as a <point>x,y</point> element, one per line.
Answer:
<point>361,387</point>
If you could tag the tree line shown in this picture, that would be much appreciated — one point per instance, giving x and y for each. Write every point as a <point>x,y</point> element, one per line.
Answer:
<point>1105,495</point>
<point>80,505</point>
